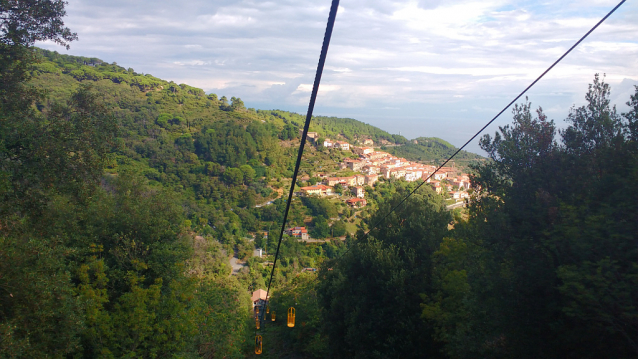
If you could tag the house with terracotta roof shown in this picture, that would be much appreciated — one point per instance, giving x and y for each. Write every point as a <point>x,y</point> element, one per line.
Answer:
<point>357,202</point>
<point>362,150</point>
<point>347,181</point>
<point>344,146</point>
<point>371,179</point>
<point>312,136</point>
<point>353,164</point>
<point>318,190</point>
<point>298,232</point>
<point>357,191</point>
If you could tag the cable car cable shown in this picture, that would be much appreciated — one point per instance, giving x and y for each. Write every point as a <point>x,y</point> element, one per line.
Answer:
<point>313,97</point>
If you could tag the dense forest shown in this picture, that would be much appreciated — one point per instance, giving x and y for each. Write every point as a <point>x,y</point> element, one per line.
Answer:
<point>123,196</point>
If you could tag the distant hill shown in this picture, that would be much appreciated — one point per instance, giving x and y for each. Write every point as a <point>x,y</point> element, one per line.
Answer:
<point>180,137</point>
<point>430,149</point>
<point>338,128</point>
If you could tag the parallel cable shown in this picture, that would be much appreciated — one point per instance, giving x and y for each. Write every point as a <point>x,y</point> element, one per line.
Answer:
<point>489,123</point>
<point>322,59</point>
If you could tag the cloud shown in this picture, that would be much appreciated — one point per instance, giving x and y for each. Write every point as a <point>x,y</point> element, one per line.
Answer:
<point>424,59</point>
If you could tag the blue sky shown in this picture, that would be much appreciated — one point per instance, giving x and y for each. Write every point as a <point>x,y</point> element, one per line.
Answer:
<point>421,68</point>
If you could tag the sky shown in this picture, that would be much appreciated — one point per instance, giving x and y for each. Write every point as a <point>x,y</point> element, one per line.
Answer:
<point>418,68</point>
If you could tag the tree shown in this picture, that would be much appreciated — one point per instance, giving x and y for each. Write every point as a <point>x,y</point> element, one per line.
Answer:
<point>233,176</point>
<point>545,267</point>
<point>23,22</point>
<point>63,152</point>
<point>248,173</point>
<point>596,125</point>
<point>370,297</point>
<point>320,229</point>
<point>237,104</point>
<point>338,229</point>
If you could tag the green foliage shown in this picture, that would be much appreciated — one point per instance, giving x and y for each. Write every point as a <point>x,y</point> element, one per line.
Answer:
<point>430,149</point>
<point>320,227</point>
<point>39,313</point>
<point>248,173</point>
<point>93,265</point>
<point>306,338</point>
<point>331,127</point>
<point>370,297</point>
<point>223,328</point>
<point>320,206</point>
<point>545,266</point>
<point>234,176</point>
<point>25,22</point>
<point>338,229</point>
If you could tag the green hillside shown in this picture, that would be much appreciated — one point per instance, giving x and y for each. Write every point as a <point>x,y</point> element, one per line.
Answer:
<point>338,128</point>
<point>431,149</point>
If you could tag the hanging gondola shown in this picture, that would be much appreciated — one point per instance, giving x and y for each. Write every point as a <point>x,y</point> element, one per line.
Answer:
<point>291,317</point>
<point>258,347</point>
<point>272,316</point>
<point>257,322</point>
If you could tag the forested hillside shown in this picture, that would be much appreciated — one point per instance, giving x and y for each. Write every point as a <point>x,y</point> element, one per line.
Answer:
<point>221,158</point>
<point>339,128</point>
<point>123,196</point>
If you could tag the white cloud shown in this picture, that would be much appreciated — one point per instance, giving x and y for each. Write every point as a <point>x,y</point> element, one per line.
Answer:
<point>428,60</point>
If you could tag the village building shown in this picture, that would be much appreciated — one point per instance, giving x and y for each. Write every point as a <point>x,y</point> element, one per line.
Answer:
<point>357,191</point>
<point>370,170</point>
<point>312,136</point>
<point>361,179</point>
<point>362,151</point>
<point>357,202</point>
<point>451,172</point>
<point>461,182</point>
<point>297,232</point>
<point>439,175</point>
<point>317,190</point>
<point>376,155</point>
<point>346,181</point>
<point>327,143</point>
<point>412,176</point>
<point>344,146</point>
<point>371,179</point>
<point>354,165</point>
<point>436,186</point>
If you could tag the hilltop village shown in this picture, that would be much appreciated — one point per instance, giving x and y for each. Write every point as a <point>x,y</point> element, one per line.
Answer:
<point>369,166</point>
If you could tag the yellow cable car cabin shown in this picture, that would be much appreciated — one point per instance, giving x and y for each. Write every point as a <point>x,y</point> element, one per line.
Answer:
<point>291,317</point>
<point>272,316</point>
<point>257,310</point>
<point>267,309</point>
<point>257,322</point>
<point>258,347</point>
